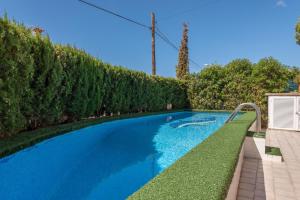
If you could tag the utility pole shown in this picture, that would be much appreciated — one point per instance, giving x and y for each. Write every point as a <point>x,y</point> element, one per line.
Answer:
<point>153,45</point>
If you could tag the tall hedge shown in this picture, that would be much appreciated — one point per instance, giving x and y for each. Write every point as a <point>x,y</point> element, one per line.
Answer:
<point>16,73</point>
<point>225,87</point>
<point>43,84</point>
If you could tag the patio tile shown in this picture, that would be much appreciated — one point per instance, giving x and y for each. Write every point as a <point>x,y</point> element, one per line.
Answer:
<point>246,193</point>
<point>280,197</point>
<point>260,174</point>
<point>260,186</point>
<point>259,198</point>
<point>282,180</point>
<point>260,193</point>
<point>247,186</point>
<point>243,198</point>
<point>283,175</point>
<point>247,180</point>
<point>260,180</point>
<point>274,180</point>
<point>284,188</point>
<point>285,195</point>
<point>297,187</point>
<point>270,196</point>
<point>248,175</point>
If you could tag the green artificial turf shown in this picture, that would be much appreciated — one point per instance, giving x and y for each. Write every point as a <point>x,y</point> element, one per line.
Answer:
<point>255,134</point>
<point>25,139</point>
<point>274,151</point>
<point>206,171</point>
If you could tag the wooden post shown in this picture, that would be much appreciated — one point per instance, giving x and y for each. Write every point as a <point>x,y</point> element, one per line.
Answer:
<point>153,45</point>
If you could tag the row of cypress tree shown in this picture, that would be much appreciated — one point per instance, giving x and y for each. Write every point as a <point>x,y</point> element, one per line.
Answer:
<point>43,84</point>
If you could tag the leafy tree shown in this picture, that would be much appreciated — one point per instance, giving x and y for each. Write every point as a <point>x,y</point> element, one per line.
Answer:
<point>217,87</point>
<point>182,69</point>
<point>237,87</point>
<point>205,88</point>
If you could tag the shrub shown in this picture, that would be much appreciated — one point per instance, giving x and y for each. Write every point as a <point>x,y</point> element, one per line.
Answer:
<point>237,87</point>
<point>45,84</point>
<point>217,87</point>
<point>205,88</point>
<point>16,72</point>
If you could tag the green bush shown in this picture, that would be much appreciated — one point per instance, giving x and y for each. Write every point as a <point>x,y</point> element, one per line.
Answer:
<point>217,87</point>
<point>205,88</point>
<point>16,72</point>
<point>130,91</point>
<point>237,83</point>
<point>43,84</point>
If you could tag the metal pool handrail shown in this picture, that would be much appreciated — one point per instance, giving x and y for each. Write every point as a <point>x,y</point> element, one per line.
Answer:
<point>240,107</point>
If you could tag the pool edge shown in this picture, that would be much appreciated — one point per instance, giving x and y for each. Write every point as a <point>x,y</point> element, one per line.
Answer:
<point>11,145</point>
<point>184,179</point>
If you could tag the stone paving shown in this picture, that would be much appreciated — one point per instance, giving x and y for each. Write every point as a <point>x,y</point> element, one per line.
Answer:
<point>273,180</point>
<point>252,180</point>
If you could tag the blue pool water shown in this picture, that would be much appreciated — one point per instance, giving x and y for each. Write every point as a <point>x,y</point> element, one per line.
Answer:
<point>106,161</point>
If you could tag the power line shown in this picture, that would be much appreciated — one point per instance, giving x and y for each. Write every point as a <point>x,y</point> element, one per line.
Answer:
<point>174,46</point>
<point>163,36</point>
<point>115,14</point>
<point>159,33</point>
<point>195,63</point>
<point>166,39</point>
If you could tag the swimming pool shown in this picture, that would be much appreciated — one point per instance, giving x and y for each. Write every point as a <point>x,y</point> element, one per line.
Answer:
<point>106,161</point>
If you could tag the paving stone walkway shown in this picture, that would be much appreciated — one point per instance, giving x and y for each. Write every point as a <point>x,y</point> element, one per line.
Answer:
<point>273,180</point>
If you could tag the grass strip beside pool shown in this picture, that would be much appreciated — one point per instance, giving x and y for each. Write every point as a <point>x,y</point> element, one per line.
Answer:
<point>206,171</point>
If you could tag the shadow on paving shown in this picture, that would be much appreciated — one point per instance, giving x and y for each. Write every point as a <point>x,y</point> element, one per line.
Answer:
<point>252,183</point>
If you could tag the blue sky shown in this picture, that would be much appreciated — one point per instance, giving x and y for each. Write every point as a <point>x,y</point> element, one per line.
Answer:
<point>220,30</point>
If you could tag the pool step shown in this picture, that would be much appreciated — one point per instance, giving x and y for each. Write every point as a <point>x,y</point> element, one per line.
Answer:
<point>198,122</point>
